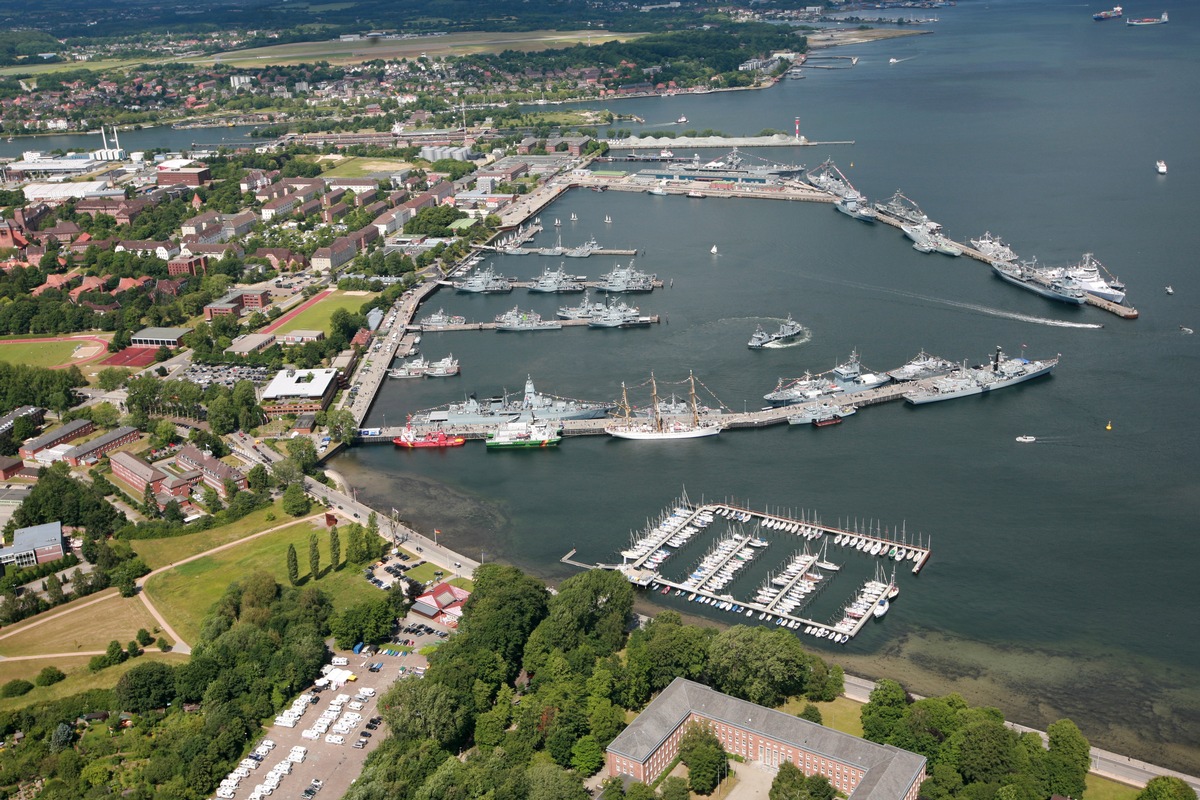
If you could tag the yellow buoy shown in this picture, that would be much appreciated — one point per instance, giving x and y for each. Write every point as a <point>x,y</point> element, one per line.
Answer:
<point>1108,427</point>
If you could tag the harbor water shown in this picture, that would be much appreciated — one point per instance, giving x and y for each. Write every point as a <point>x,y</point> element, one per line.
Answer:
<point>1063,574</point>
<point>1060,569</point>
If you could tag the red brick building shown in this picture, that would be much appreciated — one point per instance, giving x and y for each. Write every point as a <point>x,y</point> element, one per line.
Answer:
<point>213,471</point>
<point>858,769</point>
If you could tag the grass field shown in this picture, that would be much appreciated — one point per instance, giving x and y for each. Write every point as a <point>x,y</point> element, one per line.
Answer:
<point>357,167</point>
<point>39,354</point>
<point>184,594</point>
<point>317,317</point>
<point>160,552</point>
<point>78,678</point>
<point>339,52</point>
<point>86,629</point>
<point>843,714</point>
<point>1104,789</point>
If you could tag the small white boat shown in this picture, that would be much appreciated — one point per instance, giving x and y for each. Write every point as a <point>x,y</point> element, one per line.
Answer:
<point>1185,330</point>
<point>557,222</point>
<point>574,218</point>
<point>607,219</point>
<point>893,61</point>
<point>1162,167</point>
<point>714,250</point>
<point>1170,290</point>
<point>1026,439</point>
<point>681,120</point>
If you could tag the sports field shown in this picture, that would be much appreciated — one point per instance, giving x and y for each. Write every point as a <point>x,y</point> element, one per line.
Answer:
<point>316,317</point>
<point>51,351</point>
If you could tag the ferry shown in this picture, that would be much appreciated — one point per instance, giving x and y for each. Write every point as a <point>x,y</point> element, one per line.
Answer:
<point>1103,15</point>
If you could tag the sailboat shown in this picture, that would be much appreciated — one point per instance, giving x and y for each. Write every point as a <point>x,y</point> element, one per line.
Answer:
<point>573,217</point>
<point>660,428</point>
<point>714,250</point>
<point>607,219</point>
<point>557,222</point>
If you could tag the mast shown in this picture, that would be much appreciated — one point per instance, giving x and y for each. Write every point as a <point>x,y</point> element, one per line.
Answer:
<point>692,398</point>
<point>654,402</point>
<point>625,401</point>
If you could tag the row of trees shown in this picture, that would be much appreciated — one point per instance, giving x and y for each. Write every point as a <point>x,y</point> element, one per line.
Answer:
<point>972,753</point>
<point>261,644</point>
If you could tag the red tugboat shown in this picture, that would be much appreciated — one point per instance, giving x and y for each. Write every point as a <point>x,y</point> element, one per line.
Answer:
<point>408,438</point>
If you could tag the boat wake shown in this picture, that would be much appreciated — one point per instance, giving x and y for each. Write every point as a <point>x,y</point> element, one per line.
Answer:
<point>803,338</point>
<point>988,310</point>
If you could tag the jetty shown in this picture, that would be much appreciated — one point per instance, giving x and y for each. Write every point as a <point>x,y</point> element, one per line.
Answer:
<point>732,420</point>
<point>642,564</point>
<point>1124,312</point>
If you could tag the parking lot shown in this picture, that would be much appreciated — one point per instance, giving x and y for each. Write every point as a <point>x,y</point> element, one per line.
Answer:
<point>338,765</point>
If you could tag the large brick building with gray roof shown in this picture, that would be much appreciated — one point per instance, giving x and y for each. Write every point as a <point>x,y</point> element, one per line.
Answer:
<point>859,769</point>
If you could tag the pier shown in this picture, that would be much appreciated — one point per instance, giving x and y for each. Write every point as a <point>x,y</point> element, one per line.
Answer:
<point>640,564</point>
<point>651,319</point>
<point>732,420</point>
<point>1124,312</point>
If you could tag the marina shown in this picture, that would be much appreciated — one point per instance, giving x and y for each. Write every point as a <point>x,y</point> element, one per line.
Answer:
<point>744,535</point>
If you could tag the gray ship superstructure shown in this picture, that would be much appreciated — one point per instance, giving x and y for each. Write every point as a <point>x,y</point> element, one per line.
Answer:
<point>619,315</point>
<point>788,329</point>
<point>827,177</point>
<point>557,282</point>
<point>1000,372</point>
<point>484,282</point>
<point>993,248</point>
<point>903,209</point>
<point>627,279</point>
<point>1028,275</point>
<point>586,309</point>
<point>532,405</point>
<point>855,206</point>
<point>518,321</point>
<point>922,366</point>
<point>846,378</point>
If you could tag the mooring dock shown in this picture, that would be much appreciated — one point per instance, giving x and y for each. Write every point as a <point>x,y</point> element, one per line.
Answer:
<point>640,565</point>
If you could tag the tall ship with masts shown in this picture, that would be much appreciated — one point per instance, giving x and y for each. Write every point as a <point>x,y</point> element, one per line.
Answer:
<point>660,427</point>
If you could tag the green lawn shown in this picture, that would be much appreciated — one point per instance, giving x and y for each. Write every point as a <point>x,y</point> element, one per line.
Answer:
<point>38,354</point>
<point>89,628</point>
<point>184,594</point>
<point>160,552</point>
<point>316,318</point>
<point>78,678</point>
<point>843,714</point>
<point>1104,789</point>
